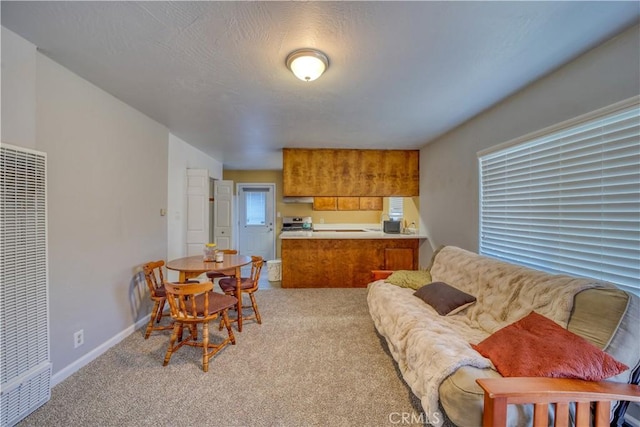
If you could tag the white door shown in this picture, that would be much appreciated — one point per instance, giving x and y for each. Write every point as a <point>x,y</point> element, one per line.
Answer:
<point>197,210</point>
<point>223,214</point>
<point>256,211</point>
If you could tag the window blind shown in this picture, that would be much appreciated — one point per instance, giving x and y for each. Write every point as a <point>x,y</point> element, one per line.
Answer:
<point>255,205</point>
<point>568,201</point>
<point>396,207</point>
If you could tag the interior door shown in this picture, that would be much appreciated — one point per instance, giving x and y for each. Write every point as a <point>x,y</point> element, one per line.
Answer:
<point>223,214</point>
<point>256,211</point>
<point>197,210</point>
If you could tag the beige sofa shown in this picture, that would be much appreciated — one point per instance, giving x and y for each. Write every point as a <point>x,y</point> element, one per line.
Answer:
<point>433,351</point>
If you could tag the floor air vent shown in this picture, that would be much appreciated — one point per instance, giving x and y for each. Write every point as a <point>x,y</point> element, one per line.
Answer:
<point>25,367</point>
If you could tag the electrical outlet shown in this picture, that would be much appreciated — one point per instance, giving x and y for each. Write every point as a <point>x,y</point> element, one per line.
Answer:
<point>78,338</point>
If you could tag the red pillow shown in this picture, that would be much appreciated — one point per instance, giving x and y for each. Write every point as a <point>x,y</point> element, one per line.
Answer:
<point>536,346</point>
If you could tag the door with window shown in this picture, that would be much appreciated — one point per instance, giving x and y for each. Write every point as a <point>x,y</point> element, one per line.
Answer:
<point>256,212</point>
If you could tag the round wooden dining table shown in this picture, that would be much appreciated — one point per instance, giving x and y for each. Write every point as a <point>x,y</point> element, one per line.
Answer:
<point>193,266</point>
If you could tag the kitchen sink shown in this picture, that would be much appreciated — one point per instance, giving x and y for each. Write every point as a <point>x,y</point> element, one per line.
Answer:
<point>358,230</point>
<point>348,230</point>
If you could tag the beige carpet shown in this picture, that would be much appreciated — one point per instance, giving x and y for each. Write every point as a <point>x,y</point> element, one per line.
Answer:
<point>315,360</point>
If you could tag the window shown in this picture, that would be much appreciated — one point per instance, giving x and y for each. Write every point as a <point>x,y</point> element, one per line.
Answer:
<point>396,208</point>
<point>567,200</point>
<point>256,206</point>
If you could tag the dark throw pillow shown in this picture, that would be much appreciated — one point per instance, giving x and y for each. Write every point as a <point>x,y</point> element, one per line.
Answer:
<point>445,299</point>
<point>536,346</point>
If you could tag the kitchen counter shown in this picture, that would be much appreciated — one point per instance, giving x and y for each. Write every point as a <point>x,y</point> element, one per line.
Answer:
<point>347,234</point>
<point>347,231</point>
<point>343,255</point>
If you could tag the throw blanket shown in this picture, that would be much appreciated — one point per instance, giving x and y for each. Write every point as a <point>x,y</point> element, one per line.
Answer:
<point>507,292</point>
<point>429,347</point>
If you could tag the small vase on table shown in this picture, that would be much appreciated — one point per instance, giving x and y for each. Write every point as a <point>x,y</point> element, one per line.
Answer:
<point>209,252</point>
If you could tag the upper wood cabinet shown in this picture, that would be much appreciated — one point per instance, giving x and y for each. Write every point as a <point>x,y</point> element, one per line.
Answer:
<point>324,204</point>
<point>370,203</point>
<point>350,173</point>
<point>347,203</point>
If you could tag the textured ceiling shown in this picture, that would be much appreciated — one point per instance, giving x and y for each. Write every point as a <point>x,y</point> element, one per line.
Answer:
<point>400,74</point>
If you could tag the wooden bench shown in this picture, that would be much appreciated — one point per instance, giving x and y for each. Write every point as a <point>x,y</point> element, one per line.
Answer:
<point>500,392</point>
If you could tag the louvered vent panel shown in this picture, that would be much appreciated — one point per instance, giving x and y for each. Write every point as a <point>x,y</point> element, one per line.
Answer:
<point>21,398</point>
<point>25,370</point>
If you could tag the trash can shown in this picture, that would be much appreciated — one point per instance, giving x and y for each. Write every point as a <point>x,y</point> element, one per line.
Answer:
<point>274,270</point>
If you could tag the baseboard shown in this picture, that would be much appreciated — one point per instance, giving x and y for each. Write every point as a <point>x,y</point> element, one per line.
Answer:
<point>74,367</point>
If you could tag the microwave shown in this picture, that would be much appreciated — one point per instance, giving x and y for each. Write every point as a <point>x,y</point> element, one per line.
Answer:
<point>391,226</point>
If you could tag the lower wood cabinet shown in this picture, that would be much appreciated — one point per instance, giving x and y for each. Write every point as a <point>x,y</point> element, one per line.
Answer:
<point>399,259</point>
<point>343,263</point>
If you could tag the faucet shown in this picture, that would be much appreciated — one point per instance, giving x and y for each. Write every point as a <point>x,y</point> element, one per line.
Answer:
<point>412,228</point>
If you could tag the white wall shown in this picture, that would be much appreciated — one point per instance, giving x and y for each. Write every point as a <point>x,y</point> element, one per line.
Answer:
<point>109,175</point>
<point>18,124</point>
<point>448,166</point>
<point>104,200</point>
<point>183,156</point>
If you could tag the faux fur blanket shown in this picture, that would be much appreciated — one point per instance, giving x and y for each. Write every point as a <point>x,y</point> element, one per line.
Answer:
<point>429,347</point>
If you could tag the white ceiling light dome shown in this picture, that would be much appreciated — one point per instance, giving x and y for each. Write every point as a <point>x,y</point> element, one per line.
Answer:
<point>307,64</point>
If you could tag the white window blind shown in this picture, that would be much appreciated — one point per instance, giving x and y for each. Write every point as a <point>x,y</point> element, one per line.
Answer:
<point>396,210</point>
<point>256,205</point>
<point>568,201</point>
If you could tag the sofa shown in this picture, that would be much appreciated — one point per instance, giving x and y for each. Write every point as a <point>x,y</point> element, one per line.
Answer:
<point>435,353</point>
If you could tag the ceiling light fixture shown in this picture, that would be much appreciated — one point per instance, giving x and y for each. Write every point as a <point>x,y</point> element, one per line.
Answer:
<point>307,64</point>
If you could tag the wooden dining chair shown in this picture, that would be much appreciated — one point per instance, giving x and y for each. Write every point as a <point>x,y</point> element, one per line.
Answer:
<point>193,304</point>
<point>153,275</point>
<point>248,285</point>
<point>211,275</point>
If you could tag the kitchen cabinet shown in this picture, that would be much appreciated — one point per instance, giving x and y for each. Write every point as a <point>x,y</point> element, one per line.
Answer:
<point>399,259</point>
<point>350,173</point>
<point>343,263</point>
<point>324,204</point>
<point>347,203</point>
<point>370,203</point>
